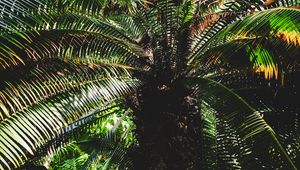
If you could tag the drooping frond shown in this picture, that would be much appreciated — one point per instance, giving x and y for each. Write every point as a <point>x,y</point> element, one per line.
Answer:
<point>58,60</point>
<point>231,122</point>
<point>65,45</point>
<point>42,120</point>
<point>273,102</point>
<point>67,67</point>
<point>36,35</point>
<point>48,80</point>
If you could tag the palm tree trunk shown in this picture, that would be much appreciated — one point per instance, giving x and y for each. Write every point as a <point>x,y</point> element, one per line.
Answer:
<point>167,131</point>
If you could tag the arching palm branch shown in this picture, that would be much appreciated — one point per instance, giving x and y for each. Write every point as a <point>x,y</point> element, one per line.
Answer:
<point>210,83</point>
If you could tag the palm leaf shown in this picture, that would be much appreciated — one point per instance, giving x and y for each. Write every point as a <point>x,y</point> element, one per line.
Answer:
<point>257,38</point>
<point>40,83</point>
<point>42,34</point>
<point>48,116</point>
<point>250,135</point>
<point>76,130</point>
<point>231,11</point>
<point>272,100</point>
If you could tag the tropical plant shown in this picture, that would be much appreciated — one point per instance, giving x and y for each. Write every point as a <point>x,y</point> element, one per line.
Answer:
<point>211,84</point>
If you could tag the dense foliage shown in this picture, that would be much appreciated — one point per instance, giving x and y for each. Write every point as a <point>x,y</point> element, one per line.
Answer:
<point>157,84</point>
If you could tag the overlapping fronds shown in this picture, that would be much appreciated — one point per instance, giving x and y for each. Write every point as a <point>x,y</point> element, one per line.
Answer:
<point>273,101</point>
<point>64,153</point>
<point>112,149</point>
<point>163,23</point>
<point>78,130</point>
<point>46,98</point>
<point>98,7</point>
<point>106,148</point>
<point>208,6</point>
<point>84,7</point>
<point>275,22</point>
<point>42,121</point>
<point>256,38</point>
<point>79,41</point>
<point>58,61</point>
<point>129,25</point>
<point>266,23</point>
<point>253,54</point>
<point>41,34</point>
<point>229,12</point>
<point>62,61</point>
<point>253,143</point>
<point>47,80</point>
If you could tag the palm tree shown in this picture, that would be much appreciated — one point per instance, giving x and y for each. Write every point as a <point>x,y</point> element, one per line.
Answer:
<point>211,84</point>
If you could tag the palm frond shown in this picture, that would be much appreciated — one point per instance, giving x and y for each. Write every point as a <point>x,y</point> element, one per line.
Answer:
<point>275,22</point>
<point>68,151</point>
<point>230,12</point>
<point>36,125</point>
<point>37,84</point>
<point>68,67</point>
<point>208,6</point>
<point>53,20</point>
<point>130,25</point>
<point>256,55</point>
<point>67,44</point>
<point>250,137</point>
<point>258,38</point>
<point>272,100</point>
<point>77,130</point>
<point>110,149</point>
<point>163,22</point>
<point>41,34</point>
